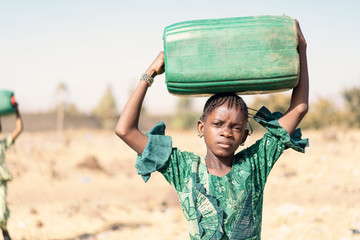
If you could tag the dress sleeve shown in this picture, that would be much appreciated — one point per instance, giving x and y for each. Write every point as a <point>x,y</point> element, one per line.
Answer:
<point>265,152</point>
<point>5,144</point>
<point>159,155</point>
<point>156,153</point>
<point>9,142</point>
<point>270,122</point>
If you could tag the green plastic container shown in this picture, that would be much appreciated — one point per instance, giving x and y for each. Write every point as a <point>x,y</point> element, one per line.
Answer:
<point>7,102</point>
<point>246,55</point>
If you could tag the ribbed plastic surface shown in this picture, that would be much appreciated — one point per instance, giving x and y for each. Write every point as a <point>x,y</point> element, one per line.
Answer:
<point>247,55</point>
<point>6,106</point>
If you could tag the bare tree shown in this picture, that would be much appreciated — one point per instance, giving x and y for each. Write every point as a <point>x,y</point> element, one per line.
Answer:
<point>106,109</point>
<point>61,95</point>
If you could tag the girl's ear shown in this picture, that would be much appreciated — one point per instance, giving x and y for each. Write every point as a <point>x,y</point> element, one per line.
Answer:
<point>246,134</point>
<point>200,126</point>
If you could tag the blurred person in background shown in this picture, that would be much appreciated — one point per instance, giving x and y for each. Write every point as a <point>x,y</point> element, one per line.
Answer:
<point>5,175</point>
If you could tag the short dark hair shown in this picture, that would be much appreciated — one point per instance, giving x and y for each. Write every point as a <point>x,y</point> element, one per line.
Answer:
<point>219,99</point>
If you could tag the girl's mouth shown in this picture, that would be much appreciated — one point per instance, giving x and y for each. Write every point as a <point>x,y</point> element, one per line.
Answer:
<point>224,144</point>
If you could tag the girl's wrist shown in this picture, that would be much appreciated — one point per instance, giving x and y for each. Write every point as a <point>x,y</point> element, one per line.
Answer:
<point>146,77</point>
<point>151,72</point>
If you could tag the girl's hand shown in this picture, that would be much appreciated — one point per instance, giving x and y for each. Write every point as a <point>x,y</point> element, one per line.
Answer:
<point>301,38</point>
<point>157,67</point>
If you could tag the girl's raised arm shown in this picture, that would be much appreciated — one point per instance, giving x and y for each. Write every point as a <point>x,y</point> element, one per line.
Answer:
<point>127,126</point>
<point>300,96</point>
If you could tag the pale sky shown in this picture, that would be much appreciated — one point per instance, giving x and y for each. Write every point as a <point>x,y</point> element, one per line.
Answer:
<point>90,44</point>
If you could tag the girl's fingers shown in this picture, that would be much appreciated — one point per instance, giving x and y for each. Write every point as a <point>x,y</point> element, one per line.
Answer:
<point>299,32</point>
<point>159,63</point>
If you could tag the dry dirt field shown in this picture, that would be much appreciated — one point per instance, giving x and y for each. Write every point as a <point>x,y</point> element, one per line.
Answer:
<point>83,185</point>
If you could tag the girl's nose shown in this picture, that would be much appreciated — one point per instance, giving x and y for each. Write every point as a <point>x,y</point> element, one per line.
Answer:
<point>226,131</point>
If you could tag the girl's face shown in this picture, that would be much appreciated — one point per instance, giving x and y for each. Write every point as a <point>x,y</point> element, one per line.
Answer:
<point>224,130</point>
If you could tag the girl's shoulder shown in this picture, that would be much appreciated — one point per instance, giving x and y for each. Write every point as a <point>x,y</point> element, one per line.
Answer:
<point>186,156</point>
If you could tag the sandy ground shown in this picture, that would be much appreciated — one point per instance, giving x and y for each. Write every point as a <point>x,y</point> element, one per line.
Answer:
<point>83,185</point>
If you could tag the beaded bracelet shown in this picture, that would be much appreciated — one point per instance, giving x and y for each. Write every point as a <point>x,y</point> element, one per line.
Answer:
<point>147,78</point>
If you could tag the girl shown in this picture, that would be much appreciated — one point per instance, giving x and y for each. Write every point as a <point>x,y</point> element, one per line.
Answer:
<point>220,194</point>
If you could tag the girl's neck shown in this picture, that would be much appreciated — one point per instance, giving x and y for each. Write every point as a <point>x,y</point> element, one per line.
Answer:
<point>218,167</point>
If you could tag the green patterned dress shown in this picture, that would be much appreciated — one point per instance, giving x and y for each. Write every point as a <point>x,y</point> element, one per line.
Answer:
<point>228,207</point>
<point>5,176</point>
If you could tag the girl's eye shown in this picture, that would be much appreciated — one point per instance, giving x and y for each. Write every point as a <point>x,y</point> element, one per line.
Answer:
<point>216,124</point>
